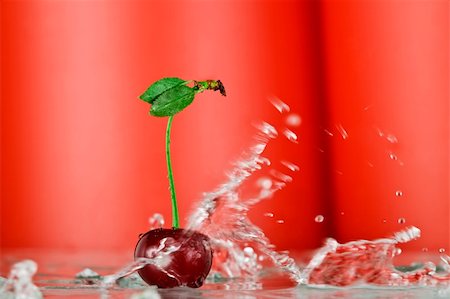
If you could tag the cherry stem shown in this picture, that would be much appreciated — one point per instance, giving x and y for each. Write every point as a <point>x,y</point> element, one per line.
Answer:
<point>175,217</point>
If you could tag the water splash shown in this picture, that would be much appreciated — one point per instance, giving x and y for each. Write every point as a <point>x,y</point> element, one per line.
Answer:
<point>369,262</point>
<point>19,283</point>
<point>158,256</point>
<point>156,221</point>
<point>222,215</point>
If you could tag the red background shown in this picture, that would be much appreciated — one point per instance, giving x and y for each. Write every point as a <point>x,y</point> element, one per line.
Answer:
<point>83,164</point>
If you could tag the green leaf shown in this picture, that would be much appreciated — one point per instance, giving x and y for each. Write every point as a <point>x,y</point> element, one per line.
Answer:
<point>172,101</point>
<point>159,87</point>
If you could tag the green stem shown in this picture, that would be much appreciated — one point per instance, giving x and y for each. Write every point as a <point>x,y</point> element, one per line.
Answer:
<point>175,218</point>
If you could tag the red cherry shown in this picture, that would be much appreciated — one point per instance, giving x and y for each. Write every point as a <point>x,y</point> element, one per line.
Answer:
<point>182,257</point>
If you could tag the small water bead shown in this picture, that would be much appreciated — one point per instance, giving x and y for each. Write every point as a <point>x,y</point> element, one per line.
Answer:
<point>259,148</point>
<point>291,166</point>
<point>368,107</point>
<point>293,120</point>
<point>264,182</point>
<point>268,214</point>
<point>267,129</point>
<point>279,185</point>
<point>391,138</point>
<point>264,161</point>
<point>342,131</point>
<point>425,249</point>
<point>156,221</point>
<point>398,251</point>
<point>328,132</point>
<point>249,251</point>
<point>398,193</point>
<point>279,105</point>
<point>319,219</point>
<point>87,273</point>
<point>401,220</point>
<point>441,250</point>
<point>280,221</point>
<point>393,156</point>
<point>291,136</point>
<point>281,176</point>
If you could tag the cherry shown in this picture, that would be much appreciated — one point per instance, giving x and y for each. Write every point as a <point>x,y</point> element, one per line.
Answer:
<point>179,257</point>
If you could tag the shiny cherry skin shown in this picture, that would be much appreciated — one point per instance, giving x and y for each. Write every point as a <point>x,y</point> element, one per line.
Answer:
<point>181,257</point>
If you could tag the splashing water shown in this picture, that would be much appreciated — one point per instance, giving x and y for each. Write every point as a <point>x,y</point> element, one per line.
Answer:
<point>222,215</point>
<point>368,262</point>
<point>243,252</point>
<point>19,284</point>
<point>156,221</point>
<point>241,249</point>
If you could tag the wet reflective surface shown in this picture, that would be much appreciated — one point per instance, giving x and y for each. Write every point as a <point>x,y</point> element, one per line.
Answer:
<point>56,278</point>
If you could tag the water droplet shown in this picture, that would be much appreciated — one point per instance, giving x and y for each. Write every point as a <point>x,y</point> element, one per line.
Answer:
<point>156,221</point>
<point>280,221</point>
<point>379,132</point>
<point>342,213</point>
<point>267,129</point>
<point>291,166</point>
<point>319,218</point>
<point>370,164</point>
<point>264,182</point>
<point>328,132</point>
<point>279,105</point>
<point>368,107</point>
<point>441,250</point>
<point>339,172</point>
<point>291,136</point>
<point>398,193</point>
<point>398,251</point>
<point>391,138</point>
<point>281,176</point>
<point>293,120</point>
<point>425,249</point>
<point>393,156</point>
<point>263,160</point>
<point>259,148</point>
<point>249,251</point>
<point>342,131</point>
<point>268,214</point>
<point>384,221</point>
<point>401,220</point>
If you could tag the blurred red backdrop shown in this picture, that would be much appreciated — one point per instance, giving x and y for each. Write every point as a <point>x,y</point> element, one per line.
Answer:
<point>83,164</point>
